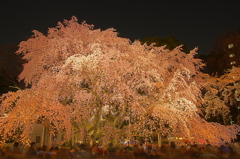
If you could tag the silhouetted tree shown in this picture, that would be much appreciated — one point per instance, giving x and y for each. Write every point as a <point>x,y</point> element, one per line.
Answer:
<point>170,41</point>
<point>11,65</point>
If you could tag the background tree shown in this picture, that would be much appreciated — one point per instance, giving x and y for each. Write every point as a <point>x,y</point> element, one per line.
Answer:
<point>221,96</point>
<point>10,68</point>
<point>232,76</point>
<point>94,84</point>
<point>220,91</point>
<point>170,41</point>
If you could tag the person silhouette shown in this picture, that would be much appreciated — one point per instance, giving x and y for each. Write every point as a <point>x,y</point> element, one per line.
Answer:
<point>32,151</point>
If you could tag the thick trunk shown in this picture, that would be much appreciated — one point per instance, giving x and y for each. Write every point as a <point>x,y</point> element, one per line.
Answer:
<point>96,125</point>
<point>43,136</point>
<point>159,140</point>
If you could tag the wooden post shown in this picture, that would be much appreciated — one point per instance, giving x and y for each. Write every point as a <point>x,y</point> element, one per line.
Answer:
<point>73,137</point>
<point>43,136</point>
<point>159,140</point>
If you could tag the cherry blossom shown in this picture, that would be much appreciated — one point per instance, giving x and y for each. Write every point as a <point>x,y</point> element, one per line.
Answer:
<point>96,85</point>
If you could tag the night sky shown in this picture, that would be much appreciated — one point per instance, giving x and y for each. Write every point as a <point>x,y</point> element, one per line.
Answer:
<point>196,23</point>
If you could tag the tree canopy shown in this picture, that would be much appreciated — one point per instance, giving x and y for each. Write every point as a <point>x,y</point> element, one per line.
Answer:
<point>97,85</point>
<point>221,96</point>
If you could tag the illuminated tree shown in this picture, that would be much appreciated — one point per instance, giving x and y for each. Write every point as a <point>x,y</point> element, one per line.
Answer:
<point>96,85</point>
<point>221,96</point>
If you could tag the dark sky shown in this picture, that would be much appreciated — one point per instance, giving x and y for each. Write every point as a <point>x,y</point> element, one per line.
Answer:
<point>196,23</point>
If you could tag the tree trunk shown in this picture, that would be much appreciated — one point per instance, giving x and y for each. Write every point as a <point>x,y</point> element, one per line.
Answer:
<point>43,136</point>
<point>159,140</point>
<point>96,125</point>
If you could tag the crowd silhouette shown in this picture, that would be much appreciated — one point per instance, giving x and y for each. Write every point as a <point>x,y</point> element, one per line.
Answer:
<point>125,151</point>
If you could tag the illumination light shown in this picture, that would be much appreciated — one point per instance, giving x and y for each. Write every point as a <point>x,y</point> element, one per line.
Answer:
<point>230,46</point>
